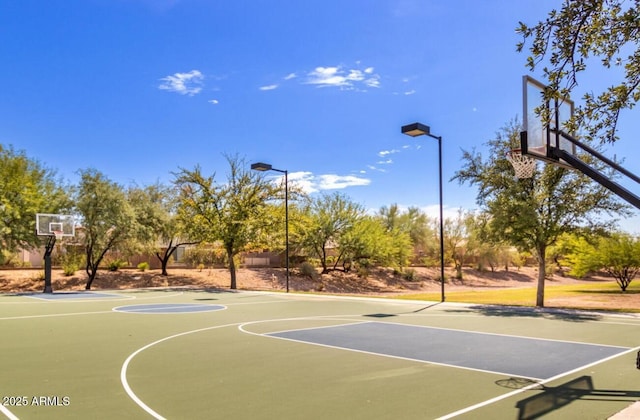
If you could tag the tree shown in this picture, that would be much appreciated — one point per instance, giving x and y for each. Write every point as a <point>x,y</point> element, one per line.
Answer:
<point>456,240</point>
<point>329,218</point>
<point>161,231</point>
<point>571,38</point>
<point>531,214</point>
<point>617,254</point>
<point>26,188</point>
<point>107,218</point>
<point>368,242</point>
<point>414,223</point>
<point>233,213</point>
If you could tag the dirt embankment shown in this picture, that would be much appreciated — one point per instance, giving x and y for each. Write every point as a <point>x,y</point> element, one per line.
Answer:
<point>380,282</point>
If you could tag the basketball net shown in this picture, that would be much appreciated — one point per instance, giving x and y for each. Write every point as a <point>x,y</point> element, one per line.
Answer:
<point>58,234</point>
<point>523,165</point>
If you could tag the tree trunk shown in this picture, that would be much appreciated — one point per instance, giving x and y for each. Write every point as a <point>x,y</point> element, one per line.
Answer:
<point>323,260</point>
<point>91,274</point>
<point>164,259</point>
<point>542,272</point>
<point>168,252</point>
<point>232,270</point>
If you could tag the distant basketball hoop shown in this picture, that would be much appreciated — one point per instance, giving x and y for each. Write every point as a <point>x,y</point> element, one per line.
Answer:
<point>524,166</point>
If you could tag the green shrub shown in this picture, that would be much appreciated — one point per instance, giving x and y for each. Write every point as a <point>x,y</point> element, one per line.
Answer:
<point>315,262</point>
<point>205,255</point>
<point>365,263</point>
<point>308,270</point>
<point>430,262</point>
<point>116,265</point>
<point>69,269</point>
<point>409,275</point>
<point>71,260</point>
<point>362,272</point>
<point>143,266</point>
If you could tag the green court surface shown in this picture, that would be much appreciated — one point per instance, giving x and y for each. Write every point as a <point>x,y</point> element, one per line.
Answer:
<point>186,354</point>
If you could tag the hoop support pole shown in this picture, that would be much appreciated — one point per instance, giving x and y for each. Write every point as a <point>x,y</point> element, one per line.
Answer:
<point>51,241</point>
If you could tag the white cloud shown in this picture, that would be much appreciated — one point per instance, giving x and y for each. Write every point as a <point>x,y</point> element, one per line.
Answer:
<point>373,81</point>
<point>385,162</point>
<point>269,87</point>
<point>375,168</point>
<point>384,153</point>
<point>311,183</point>
<point>214,101</point>
<point>183,83</point>
<point>410,92</point>
<point>336,182</point>
<point>302,180</point>
<point>347,79</point>
<point>326,76</point>
<point>290,76</point>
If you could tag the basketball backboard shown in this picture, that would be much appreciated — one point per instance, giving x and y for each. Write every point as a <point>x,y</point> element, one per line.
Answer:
<point>543,121</point>
<point>55,224</point>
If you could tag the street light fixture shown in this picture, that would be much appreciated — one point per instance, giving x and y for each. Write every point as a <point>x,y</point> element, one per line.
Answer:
<point>415,130</point>
<point>263,167</point>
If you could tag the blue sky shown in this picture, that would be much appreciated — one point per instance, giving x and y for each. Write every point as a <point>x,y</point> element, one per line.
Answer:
<point>140,88</point>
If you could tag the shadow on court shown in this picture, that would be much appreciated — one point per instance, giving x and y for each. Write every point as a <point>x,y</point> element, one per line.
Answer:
<point>554,398</point>
<point>387,315</point>
<point>521,312</point>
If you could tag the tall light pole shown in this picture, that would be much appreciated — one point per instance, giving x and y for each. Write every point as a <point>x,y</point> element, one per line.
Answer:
<point>266,167</point>
<point>415,130</point>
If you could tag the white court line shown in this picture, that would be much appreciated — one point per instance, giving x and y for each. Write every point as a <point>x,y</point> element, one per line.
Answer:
<point>539,381</point>
<point>125,365</point>
<point>525,337</point>
<point>518,391</point>
<point>114,299</point>
<point>391,356</point>
<point>53,315</point>
<point>8,413</point>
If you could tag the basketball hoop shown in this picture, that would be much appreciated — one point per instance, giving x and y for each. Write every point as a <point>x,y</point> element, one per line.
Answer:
<point>523,165</point>
<point>58,234</point>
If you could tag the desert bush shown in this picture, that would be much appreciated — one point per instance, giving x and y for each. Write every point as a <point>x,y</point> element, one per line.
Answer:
<point>308,270</point>
<point>70,262</point>
<point>364,263</point>
<point>430,262</point>
<point>143,266</point>
<point>70,269</point>
<point>116,265</point>
<point>409,274</point>
<point>315,262</point>
<point>206,255</point>
<point>11,259</point>
<point>362,272</point>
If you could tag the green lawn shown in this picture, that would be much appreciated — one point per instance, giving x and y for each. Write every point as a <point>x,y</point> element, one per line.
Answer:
<point>527,296</point>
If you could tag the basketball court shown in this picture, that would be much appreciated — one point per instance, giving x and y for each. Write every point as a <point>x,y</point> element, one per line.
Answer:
<point>178,353</point>
<point>182,353</point>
